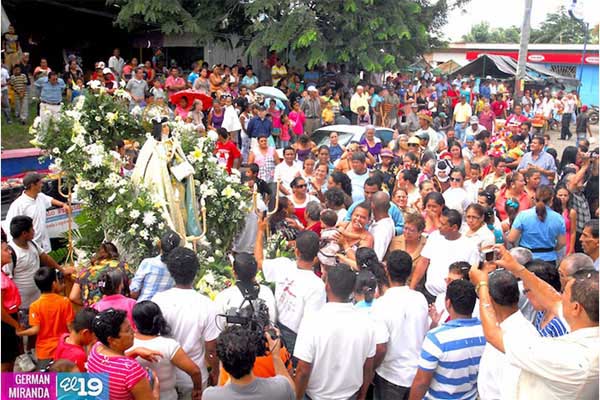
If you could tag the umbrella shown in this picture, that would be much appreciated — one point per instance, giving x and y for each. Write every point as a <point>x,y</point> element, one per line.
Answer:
<point>191,96</point>
<point>270,91</point>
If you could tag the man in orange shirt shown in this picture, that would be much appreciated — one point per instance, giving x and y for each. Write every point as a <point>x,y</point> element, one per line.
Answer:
<point>49,316</point>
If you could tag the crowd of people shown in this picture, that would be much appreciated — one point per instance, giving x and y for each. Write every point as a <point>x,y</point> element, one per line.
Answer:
<point>457,260</point>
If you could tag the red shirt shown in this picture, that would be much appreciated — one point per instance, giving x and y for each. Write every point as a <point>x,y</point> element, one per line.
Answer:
<point>316,228</point>
<point>453,94</point>
<point>498,107</point>
<point>226,153</point>
<point>70,352</point>
<point>11,299</point>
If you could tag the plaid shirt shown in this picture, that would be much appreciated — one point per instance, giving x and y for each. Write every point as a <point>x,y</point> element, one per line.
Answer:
<point>582,208</point>
<point>151,277</point>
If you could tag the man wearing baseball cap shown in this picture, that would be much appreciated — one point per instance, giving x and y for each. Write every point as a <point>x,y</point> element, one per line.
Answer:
<point>33,203</point>
<point>474,127</point>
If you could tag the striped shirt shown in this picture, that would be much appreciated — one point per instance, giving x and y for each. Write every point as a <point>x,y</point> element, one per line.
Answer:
<point>151,277</point>
<point>554,328</point>
<point>123,373</point>
<point>19,82</point>
<point>452,352</point>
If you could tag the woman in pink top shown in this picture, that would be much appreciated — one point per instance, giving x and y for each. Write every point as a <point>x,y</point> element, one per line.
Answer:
<point>111,284</point>
<point>182,108</point>
<point>297,118</point>
<point>487,118</point>
<point>127,379</point>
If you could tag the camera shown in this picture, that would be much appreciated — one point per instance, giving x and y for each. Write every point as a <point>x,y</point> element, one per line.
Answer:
<point>252,314</point>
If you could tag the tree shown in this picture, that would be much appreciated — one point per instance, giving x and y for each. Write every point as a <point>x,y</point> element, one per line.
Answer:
<point>559,27</point>
<point>371,34</point>
<point>482,33</point>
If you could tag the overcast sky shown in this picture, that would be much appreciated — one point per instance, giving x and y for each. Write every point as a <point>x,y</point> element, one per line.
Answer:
<point>504,13</point>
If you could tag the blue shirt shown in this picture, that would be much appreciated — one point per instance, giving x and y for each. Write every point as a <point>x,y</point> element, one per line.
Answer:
<point>259,127</point>
<point>192,78</point>
<point>151,277</point>
<point>394,213</point>
<point>249,81</point>
<point>375,100</point>
<point>536,234</point>
<point>452,352</point>
<point>555,327</point>
<point>485,91</point>
<point>440,87</point>
<point>544,161</point>
<point>335,152</point>
<point>50,93</point>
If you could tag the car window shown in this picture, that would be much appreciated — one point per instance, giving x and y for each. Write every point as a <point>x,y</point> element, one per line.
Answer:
<point>321,137</point>
<point>385,135</point>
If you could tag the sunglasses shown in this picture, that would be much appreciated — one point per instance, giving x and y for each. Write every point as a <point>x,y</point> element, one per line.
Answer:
<point>300,186</point>
<point>455,179</point>
<point>412,144</point>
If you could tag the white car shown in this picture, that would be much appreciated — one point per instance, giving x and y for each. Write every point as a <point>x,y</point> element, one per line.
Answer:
<point>350,133</point>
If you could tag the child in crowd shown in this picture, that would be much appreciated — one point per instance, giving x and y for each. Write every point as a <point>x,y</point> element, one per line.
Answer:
<point>286,128</point>
<point>364,289</point>
<point>130,159</point>
<point>49,316</point>
<point>111,284</point>
<point>328,115</point>
<point>71,346</point>
<point>157,91</point>
<point>329,245</point>
<point>363,118</point>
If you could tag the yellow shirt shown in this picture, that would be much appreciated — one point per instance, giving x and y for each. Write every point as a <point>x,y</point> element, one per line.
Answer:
<point>462,112</point>
<point>281,71</point>
<point>328,116</point>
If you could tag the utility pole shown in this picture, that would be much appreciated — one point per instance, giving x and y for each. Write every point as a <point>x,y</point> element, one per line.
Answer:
<point>522,63</point>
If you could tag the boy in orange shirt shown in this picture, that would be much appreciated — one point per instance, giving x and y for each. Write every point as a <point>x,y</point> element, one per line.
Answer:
<point>49,316</point>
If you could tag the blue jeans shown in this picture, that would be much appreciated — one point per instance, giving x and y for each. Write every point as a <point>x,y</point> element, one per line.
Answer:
<point>459,131</point>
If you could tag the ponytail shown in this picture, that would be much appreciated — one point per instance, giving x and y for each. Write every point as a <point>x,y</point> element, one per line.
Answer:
<point>149,320</point>
<point>543,196</point>
<point>366,283</point>
<point>110,281</point>
<point>540,210</point>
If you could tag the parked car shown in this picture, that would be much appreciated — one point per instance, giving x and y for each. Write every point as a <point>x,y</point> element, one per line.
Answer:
<point>350,133</point>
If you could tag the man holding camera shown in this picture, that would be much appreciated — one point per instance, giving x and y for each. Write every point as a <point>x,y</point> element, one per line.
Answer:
<point>237,349</point>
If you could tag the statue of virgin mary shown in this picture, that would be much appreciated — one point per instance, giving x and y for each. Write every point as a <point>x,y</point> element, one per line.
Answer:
<point>163,169</point>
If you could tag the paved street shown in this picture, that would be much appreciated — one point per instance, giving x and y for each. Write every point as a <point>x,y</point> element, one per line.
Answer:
<point>560,145</point>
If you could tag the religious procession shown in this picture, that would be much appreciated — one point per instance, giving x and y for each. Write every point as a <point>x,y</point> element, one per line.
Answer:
<point>308,221</point>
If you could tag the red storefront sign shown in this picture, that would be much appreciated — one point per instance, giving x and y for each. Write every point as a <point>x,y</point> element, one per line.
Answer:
<point>543,57</point>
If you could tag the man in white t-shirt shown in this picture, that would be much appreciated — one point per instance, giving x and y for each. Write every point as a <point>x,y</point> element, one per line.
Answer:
<point>336,345</point>
<point>358,175</point>
<point>401,324</point>
<point>498,378</point>
<point>34,204</point>
<point>456,197</point>
<point>116,63</point>
<point>298,291</point>
<point>287,170</point>
<point>192,318</point>
<point>382,228</point>
<point>443,247</point>
<point>244,269</point>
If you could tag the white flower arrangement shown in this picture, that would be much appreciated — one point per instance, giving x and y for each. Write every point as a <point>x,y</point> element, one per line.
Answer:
<point>149,218</point>
<point>134,214</point>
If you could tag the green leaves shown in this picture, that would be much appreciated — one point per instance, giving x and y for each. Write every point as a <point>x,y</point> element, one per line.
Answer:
<point>315,31</point>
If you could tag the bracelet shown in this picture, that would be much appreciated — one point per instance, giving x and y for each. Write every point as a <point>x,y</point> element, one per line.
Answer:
<point>479,285</point>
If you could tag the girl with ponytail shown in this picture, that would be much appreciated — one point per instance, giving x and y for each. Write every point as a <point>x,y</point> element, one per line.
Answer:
<point>153,333</point>
<point>112,283</point>
<point>364,290</point>
<point>540,229</point>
